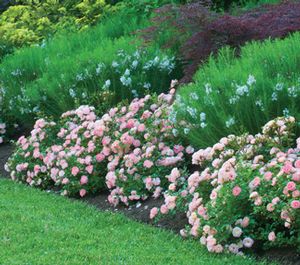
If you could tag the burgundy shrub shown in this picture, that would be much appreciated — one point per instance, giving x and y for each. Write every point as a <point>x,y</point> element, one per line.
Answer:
<point>269,21</point>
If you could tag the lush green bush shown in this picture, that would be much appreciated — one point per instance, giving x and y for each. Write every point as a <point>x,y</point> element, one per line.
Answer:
<point>29,22</point>
<point>235,95</point>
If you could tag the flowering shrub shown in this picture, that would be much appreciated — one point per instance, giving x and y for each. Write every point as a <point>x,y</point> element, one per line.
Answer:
<point>247,193</point>
<point>131,149</point>
<point>29,163</point>
<point>144,149</point>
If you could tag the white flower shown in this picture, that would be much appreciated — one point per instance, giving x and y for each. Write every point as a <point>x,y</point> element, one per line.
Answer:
<point>237,232</point>
<point>135,93</point>
<point>292,92</point>
<point>175,132</point>
<point>192,111</point>
<point>125,81</point>
<point>230,122</point>
<point>241,90</point>
<point>127,72</point>
<point>286,112</point>
<point>202,116</point>
<point>147,85</point>
<point>186,130</point>
<point>251,80</point>
<point>208,88</point>
<point>107,84</point>
<point>114,64</point>
<point>194,96</point>
<point>248,242</point>
<point>279,87</point>
<point>233,100</point>
<point>274,96</point>
<point>72,93</point>
<point>203,125</point>
<point>99,68</point>
<point>135,64</point>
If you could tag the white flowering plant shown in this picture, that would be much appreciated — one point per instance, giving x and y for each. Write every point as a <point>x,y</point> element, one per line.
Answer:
<point>240,94</point>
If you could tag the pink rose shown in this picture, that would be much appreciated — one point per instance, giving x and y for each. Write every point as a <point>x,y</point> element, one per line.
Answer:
<point>89,169</point>
<point>297,164</point>
<point>295,204</point>
<point>270,207</point>
<point>268,175</point>
<point>82,192</point>
<point>164,209</point>
<point>106,140</point>
<point>153,212</point>
<point>65,181</point>
<point>75,171</point>
<point>287,167</point>
<point>272,236</point>
<point>291,186</point>
<point>148,164</point>
<point>84,180</point>
<point>245,222</point>
<point>141,128</point>
<point>100,157</point>
<point>236,191</point>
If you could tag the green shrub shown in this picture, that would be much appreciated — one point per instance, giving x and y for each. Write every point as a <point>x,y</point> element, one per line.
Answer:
<point>29,22</point>
<point>235,95</point>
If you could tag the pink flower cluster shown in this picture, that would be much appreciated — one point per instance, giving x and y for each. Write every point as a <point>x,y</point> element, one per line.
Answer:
<point>246,192</point>
<point>130,150</point>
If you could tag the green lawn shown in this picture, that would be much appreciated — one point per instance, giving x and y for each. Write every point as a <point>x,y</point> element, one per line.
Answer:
<point>41,228</point>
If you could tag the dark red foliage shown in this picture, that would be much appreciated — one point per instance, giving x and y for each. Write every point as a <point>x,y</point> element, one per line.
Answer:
<point>271,21</point>
<point>177,22</point>
<point>195,32</point>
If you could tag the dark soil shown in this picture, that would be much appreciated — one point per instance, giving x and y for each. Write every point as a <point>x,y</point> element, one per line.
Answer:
<point>140,212</point>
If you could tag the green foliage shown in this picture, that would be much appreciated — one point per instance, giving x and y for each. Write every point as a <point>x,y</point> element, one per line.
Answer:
<point>236,95</point>
<point>29,22</point>
<point>100,67</point>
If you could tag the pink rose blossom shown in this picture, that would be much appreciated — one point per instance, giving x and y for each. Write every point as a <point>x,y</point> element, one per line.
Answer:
<point>82,192</point>
<point>291,186</point>
<point>65,181</point>
<point>148,164</point>
<point>272,236</point>
<point>75,171</point>
<point>236,191</point>
<point>153,212</point>
<point>84,180</point>
<point>295,204</point>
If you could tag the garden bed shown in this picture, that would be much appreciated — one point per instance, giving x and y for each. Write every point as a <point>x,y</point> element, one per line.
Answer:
<point>141,211</point>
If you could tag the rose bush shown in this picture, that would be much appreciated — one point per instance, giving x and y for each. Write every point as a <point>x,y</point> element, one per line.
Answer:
<point>131,149</point>
<point>247,193</point>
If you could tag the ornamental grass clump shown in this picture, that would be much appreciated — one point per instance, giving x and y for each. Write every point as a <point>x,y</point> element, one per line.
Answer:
<point>246,193</point>
<point>238,95</point>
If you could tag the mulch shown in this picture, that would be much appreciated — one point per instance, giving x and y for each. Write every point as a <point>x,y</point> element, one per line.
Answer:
<point>140,212</point>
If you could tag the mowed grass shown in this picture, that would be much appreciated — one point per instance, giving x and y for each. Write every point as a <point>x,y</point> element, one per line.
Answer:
<point>41,228</point>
